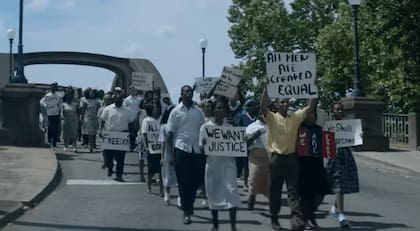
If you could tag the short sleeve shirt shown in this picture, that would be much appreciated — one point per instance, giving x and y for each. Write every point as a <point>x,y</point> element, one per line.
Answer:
<point>185,123</point>
<point>282,131</point>
<point>116,118</point>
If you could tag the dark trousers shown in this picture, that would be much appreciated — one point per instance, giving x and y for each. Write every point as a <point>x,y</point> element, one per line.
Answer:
<point>119,157</point>
<point>133,129</point>
<point>189,168</point>
<point>284,168</point>
<point>53,127</point>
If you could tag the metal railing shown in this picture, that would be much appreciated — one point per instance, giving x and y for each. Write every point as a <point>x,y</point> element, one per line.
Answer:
<point>395,127</point>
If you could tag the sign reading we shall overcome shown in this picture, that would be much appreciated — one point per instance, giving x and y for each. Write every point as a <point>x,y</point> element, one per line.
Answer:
<point>347,132</point>
<point>229,82</point>
<point>204,85</point>
<point>224,141</point>
<point>291,75</point>
<point>142,81</point>
<point>116,140</point>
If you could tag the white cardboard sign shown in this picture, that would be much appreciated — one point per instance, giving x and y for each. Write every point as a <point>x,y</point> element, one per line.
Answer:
<point>224,141</point>
<point>142,81</point>
<point>291,75</point>
<point>153,143</point>
<point>347,132</point>
<point>204,85</point>
<point>229,82</point>
<point>112,140</point>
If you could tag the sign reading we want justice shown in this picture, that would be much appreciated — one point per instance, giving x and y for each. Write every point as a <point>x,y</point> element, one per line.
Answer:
<point>224,141</point>
<point>291,75</point>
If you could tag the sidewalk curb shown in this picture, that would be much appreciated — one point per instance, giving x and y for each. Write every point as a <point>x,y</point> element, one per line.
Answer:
<point>55,180</point>
<point>20,210</point>
<point>385,166</point>
<point>12,214</point>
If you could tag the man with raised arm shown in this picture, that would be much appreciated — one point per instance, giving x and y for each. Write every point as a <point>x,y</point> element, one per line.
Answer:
<point>282,133</point>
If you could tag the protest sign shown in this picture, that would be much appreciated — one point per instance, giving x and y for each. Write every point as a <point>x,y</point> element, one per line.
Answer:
<point>153,143</point>
<point>116,140</point>
<point>347,132</point>
<point>204,85</point>
<point>228,82</point>
<point>142,81</point>
<point>291,75</point>
<point>224,141</point>
<point>315,143</point>
<point>328,145</point>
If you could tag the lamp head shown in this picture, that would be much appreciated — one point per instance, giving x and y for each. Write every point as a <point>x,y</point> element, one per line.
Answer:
<point>11,33</point>
<point>203,43</point>
<point>355,2</point>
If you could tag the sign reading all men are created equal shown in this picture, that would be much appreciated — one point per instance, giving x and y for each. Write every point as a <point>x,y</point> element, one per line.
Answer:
<point>224,141</point>
<point>291,75</point>
<point>142,81</point>
<point>204,85</point>
<point>347,132</point>
<point>228,85</point>
<point>116,140</point>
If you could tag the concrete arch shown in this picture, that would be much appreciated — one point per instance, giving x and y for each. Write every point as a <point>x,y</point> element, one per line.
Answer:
<point>122,67</point>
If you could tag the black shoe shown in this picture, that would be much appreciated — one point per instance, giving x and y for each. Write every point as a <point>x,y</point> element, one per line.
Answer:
<point>251,202</point>
<point>275,225</point>
<point>187,219</point>
<point>103,166</point>
<point>313,223</point>
<point>344,224</point>
<point>109,172</point>
<point>119,179</point>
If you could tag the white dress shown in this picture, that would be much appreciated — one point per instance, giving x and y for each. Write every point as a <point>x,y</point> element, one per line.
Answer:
<point>168,170</point>
<point>220,180</point>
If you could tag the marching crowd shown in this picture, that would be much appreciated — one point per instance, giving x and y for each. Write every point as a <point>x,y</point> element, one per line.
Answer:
<point>170,139</point>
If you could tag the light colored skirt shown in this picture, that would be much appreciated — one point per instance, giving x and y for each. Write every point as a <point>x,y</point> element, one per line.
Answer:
<point>220,181</point>
<point>259,172</point>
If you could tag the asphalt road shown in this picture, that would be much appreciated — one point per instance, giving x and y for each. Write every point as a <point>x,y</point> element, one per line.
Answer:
<point>86,199</point>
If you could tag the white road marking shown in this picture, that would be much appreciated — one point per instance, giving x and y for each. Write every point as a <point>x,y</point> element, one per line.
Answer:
<point>100,182</point>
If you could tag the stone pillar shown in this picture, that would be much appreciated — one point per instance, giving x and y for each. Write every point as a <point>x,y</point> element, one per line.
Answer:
<point>413,130</point>
<point>370,112</point>
<point>20,114</point>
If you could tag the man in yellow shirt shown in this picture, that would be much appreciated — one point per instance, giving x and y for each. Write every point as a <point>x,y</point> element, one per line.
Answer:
<point>282,134</point>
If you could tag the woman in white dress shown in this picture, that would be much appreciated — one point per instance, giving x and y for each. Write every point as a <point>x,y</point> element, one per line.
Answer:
<point>220,174</point>
<point>168,170</point>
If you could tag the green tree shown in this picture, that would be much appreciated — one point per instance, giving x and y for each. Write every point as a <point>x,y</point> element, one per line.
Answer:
<point>256,26</point>
<point>389,40</point>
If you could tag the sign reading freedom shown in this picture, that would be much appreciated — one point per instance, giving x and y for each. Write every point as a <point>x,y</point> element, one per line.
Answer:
<point>347,132</point>
<point>224,141</point>
<point>291,75</point>
<point>116,140</point>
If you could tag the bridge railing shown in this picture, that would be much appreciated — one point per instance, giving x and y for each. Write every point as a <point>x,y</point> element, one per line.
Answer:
<point>402,130</point>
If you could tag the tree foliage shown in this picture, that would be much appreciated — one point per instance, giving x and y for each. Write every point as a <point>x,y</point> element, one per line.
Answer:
<point>389,40</point>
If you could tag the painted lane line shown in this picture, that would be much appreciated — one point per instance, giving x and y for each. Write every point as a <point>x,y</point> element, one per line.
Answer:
<point>100,182</point>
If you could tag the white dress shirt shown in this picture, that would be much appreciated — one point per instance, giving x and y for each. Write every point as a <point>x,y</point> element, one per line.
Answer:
<point>116,118</point>
<point>52,103</point>
<point>133,103</point>
<point>185,123</point>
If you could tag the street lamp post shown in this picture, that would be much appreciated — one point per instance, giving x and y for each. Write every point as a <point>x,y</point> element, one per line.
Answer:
<point>357,85</point>
<point>203,45</point>
<point>20,76</point>
<point>11,35</point>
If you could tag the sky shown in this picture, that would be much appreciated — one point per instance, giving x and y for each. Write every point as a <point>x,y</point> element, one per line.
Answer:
<point>166,32</point>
